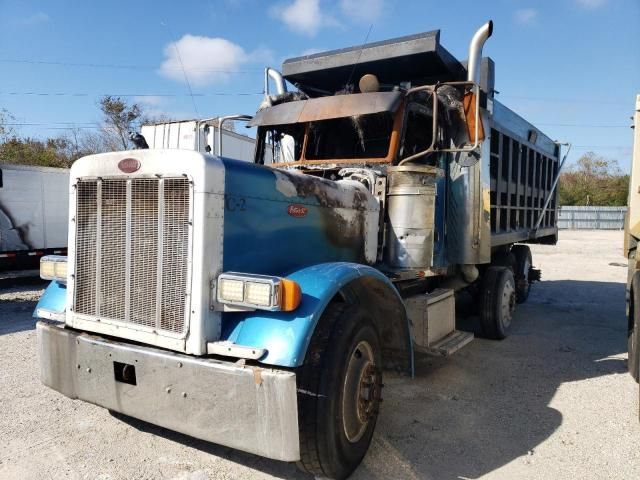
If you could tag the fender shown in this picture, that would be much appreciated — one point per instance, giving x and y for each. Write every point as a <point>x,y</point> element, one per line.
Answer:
<point>52,303</point>
<point>286,335</point>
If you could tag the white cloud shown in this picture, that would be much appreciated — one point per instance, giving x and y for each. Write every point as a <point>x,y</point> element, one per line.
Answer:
<point>526,16</point>
<point>311,51</point>
<point>366,11</point>
<point>307,17</point>
<point>303,16</point>
<point>150,100</point>
<point>206,60</point>
<point>35,19</point>
<point>591,4</point>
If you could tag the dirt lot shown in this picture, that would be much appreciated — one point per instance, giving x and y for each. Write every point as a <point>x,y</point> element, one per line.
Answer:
<point>553,401</point>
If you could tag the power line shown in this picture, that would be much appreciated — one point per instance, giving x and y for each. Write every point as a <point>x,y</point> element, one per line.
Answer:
<point>184,72</point>
<point>97,125</point>
<point>32,124</point>
<point>120,66</point>
<point>581,125</point>
<point>566,100</point>
<point>612,147</point>
<point>84,94</point>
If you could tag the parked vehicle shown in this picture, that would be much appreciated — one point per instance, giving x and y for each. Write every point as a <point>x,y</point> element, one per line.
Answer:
<point>203,136</point>
<point>631,238</point>
<point>34,206</point>
<point>255,305</point>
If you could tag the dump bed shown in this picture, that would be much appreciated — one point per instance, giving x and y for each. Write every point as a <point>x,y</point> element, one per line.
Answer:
<point>523,164</point>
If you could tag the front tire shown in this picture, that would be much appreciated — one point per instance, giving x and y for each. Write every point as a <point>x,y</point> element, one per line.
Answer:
<point>498,302</point>
<point>339,388</point>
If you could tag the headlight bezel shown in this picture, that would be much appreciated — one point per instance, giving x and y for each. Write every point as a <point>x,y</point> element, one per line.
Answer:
<point>280,289</point>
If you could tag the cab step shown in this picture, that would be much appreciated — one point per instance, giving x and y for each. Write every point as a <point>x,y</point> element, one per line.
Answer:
<point>449,344</point>
<point>433,323</point>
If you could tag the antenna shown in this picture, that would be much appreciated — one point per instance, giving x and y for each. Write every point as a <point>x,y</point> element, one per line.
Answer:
<point>360,54</point>
<point>184,72</point>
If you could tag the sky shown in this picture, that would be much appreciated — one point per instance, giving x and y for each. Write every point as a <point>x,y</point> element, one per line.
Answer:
<point>571,67</point>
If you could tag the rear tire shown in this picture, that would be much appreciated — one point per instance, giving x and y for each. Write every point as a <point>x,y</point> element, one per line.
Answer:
<point>498,302</point>
<point>339,388</point>
<point>521,271</point>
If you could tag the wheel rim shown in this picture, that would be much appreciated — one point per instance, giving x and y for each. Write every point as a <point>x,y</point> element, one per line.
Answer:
<point>507,303</point>
<point>361,392</point>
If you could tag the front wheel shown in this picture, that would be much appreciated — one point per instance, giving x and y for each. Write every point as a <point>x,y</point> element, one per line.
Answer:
<point>339,388</point>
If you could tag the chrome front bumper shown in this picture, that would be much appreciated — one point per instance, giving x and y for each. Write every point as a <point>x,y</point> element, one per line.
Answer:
<point>247,408</point>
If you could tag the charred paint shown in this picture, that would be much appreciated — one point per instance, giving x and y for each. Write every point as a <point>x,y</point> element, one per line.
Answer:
<point>266,238</point>
<point>344,206</point>
<point>12,237</point>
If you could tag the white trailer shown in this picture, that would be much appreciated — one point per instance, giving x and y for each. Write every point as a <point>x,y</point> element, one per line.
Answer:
<point>200,135</point>
<point>34,212</point>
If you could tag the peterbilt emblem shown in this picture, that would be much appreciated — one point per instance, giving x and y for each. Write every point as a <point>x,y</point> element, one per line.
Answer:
<point>297,210</point>
<point>129,165</point>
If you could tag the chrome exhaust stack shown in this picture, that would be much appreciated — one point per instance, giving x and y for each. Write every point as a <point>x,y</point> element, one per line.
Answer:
<point>475,51</point>
<point>277,78</point>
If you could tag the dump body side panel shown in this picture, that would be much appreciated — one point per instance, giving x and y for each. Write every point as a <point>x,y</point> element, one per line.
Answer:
<point>523,164</point>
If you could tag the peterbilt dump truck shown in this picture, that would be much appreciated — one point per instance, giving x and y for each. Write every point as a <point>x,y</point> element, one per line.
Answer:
<point>256,305</point>
<point>631,239</point>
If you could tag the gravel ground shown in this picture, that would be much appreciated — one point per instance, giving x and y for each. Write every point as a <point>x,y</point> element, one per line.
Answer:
<point>553,401</point>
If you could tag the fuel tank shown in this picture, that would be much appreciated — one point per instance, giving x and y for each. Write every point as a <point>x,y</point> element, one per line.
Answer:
<point>276,221</point>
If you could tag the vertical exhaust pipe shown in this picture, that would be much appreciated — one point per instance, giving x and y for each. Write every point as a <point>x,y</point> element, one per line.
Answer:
<point>475,51</point>
<point>277,78</point>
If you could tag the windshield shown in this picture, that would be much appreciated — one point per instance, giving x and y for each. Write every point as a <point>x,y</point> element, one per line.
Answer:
<point>282,143</point>
<point>363,136</point>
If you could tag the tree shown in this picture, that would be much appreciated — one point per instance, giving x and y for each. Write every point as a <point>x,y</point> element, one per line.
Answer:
<point>593,180</point>
<point>119,119</point>
<point>28,151</point>
<point>6,129</point>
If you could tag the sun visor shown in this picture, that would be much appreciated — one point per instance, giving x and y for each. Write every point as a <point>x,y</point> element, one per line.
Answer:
<point>325,108</point>
<point>419,59</point>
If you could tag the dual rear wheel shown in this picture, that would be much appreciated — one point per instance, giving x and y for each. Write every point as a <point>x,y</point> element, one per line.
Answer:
<point>502,287</point>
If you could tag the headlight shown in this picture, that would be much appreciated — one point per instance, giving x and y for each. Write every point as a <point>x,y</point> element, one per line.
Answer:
<point>53,267</point>
<point>261,292</point>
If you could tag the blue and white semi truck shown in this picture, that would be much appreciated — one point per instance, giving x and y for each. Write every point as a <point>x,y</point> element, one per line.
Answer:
<point>256,305</point>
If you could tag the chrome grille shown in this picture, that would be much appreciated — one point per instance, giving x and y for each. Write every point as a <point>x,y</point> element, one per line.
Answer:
<point>132,240</point>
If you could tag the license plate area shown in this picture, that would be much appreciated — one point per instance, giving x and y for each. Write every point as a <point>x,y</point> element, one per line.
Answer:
<point>124,373</point>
